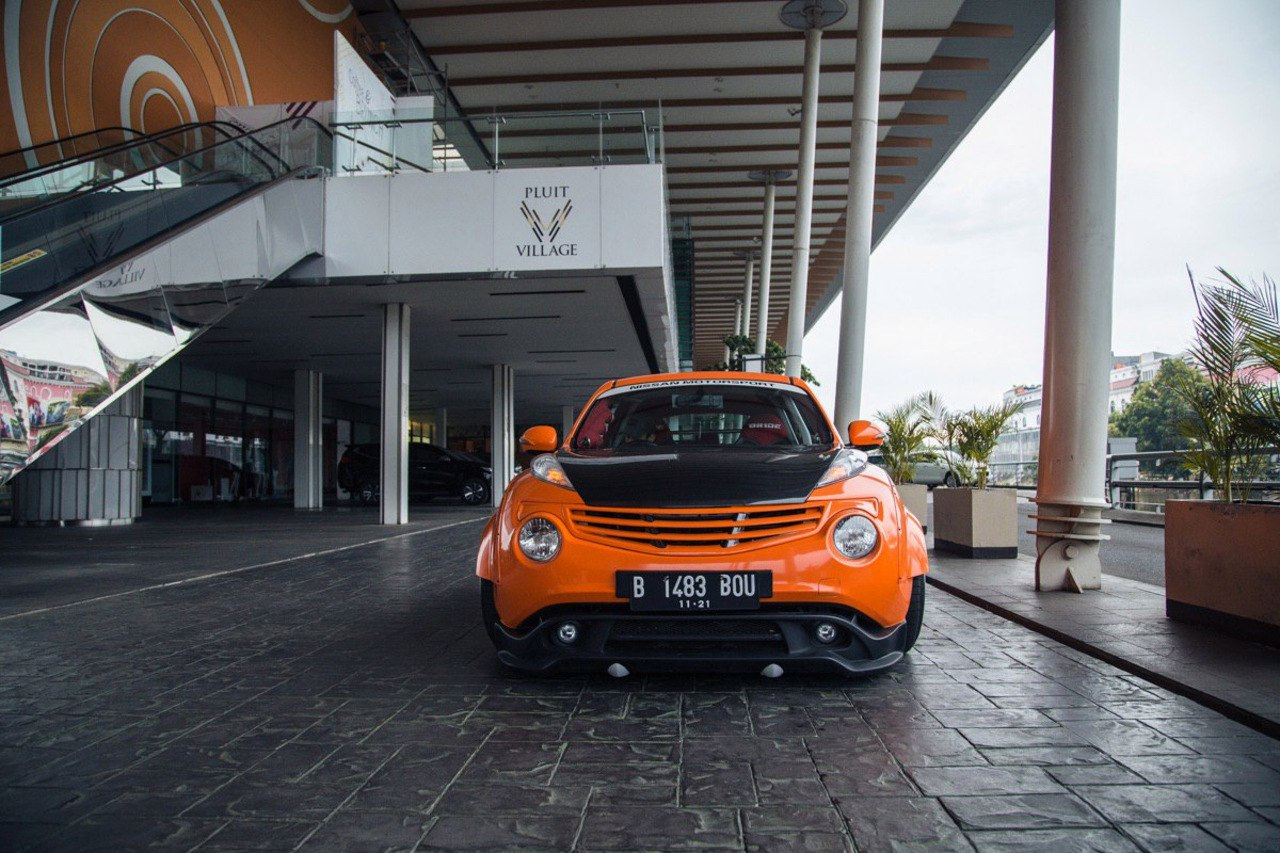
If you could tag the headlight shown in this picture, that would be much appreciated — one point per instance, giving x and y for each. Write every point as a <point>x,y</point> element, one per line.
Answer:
<point>547,469</point>
<point>855,536</point>
<point>847,463</point>
<point>539,539</point>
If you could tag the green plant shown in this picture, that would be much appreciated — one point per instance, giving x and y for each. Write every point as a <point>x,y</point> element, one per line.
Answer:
<point>1156,408</point>
<point>1258,310</point>
<point>906,439</point>
<point>977,432</point>
<point>945,426</point>
<point>94,394</point>
<point>775,357</point>
<point>1227,425</point>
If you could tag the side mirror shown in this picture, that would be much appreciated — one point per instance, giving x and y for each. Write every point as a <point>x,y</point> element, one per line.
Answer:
<point>539,439</point>
<point>865,435</point>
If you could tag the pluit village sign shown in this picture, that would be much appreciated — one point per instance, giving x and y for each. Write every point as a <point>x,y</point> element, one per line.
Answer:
<point>546,228</point>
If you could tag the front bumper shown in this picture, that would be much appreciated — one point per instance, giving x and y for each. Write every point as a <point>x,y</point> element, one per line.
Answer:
<point>738,641</point>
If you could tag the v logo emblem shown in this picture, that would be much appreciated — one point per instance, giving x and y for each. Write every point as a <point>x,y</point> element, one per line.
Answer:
<point>546,232</point>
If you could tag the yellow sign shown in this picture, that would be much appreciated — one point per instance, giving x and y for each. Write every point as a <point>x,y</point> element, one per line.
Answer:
<point>12,263</point>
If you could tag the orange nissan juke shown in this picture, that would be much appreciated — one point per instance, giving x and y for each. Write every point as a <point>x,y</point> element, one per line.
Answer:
<point>702,521</point>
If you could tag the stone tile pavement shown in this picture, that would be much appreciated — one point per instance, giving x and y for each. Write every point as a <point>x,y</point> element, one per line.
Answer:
<point>351,701</point>
<point>1124,623</point>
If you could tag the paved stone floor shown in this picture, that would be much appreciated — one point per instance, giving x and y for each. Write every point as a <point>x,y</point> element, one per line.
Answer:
<point>1125,623</point>
<point>351,701</point>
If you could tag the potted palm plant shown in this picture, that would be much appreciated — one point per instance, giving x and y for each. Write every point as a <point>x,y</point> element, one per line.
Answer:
<point>1220,555</point>
<point>906,443</point>
<point>973,520</point>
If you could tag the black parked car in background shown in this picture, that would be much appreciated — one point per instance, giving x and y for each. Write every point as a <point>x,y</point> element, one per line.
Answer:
<point>434,472</point>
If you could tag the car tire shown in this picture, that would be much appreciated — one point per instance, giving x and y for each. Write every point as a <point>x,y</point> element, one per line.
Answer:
<point>949,480</point>
<point>366,494</point>
<point>475,492</point>
<point>489,611</point>
<point>915,614</point>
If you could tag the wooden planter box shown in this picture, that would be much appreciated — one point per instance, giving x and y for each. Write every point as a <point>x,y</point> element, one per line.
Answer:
<point>976,523</point>
<point>1222,566</point>
<point>915,498</point>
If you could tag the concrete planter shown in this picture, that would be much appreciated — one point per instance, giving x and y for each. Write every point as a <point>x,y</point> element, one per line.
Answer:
<point>981,523</point>
<point>915,498</point>
<point>1221,567</point>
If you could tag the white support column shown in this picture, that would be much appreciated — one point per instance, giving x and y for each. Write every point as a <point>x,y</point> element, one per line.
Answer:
<point>749,262</point>
<point>395,415</point>
<point>770,178</point>
<point>1077,336</point>
<point>442,427</point>
<point>858,214</point>
<point>766,269</point>
<point>308,452</point>
<point>503,429</point>
<point>810,16</point>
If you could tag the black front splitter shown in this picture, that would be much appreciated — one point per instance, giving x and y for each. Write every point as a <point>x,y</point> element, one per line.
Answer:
<point>724,641</point>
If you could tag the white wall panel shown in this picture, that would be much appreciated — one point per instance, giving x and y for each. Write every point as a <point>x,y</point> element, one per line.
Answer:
<point>442,222</point>
<point>356,225</point>
<point>631,216</point>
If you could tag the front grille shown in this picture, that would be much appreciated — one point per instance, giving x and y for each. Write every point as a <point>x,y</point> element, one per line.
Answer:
<point>639,636</point>
<point>699,532</point>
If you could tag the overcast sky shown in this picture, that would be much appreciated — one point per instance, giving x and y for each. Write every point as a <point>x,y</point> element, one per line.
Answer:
<point>957,287</point>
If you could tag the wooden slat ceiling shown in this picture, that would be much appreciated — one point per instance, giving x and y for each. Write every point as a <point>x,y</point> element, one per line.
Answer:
<point>728,76</point>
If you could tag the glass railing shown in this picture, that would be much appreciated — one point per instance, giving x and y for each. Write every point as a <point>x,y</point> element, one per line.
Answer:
<point>62,150</point>
<point>83,169</point>
<point>91,300</point>
<point>555,138</point>
<point>61,228</point>
<point>382,142</point>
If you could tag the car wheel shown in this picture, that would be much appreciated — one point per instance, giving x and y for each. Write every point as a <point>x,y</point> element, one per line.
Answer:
<point>915,613</point>
<point>475,492</point>
<point>489,611</point>
<point>949,480</point>
<point>367,495</point>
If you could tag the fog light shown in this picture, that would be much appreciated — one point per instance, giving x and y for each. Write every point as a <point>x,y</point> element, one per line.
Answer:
<point>825,632</point>
<point>567,633</point>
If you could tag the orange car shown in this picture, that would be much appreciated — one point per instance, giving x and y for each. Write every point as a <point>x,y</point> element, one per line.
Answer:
<point>702,521</point>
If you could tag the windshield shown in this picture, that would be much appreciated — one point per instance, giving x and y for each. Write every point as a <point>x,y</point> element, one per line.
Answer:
<point>678,416</point>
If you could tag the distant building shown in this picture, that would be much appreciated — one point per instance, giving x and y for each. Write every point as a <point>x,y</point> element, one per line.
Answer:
<point>1019,448</point>
<point>1127,371</point>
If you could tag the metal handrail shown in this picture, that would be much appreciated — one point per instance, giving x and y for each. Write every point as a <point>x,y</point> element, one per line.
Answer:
<point>99,187</point>
<point>1202,485</point>
<point>229,130</point>
<point>58,292</point>
<point>601,116</point>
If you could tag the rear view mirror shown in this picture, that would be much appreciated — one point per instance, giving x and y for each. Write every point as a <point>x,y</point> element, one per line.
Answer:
<point>865,435</point>
<point>539,439</point>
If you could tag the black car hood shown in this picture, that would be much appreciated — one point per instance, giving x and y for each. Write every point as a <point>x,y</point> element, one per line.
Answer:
<point>702,477</point>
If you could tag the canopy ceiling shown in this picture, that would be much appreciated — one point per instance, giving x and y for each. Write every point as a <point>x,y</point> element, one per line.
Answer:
<point>727,77</point>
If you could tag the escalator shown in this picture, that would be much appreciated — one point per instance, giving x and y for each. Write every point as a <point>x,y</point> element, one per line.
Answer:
<point>118,248</point>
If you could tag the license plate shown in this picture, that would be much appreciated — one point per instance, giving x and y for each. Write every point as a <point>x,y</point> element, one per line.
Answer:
<point>694,590</point>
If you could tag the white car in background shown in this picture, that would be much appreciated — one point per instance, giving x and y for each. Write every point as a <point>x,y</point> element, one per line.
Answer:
<point>937,471</point>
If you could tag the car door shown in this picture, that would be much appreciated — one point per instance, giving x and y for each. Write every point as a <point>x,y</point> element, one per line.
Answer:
<point>432,471</point>
<point>929,473</point>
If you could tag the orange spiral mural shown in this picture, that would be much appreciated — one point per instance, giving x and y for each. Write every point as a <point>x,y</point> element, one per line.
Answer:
<point>77,65</point>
